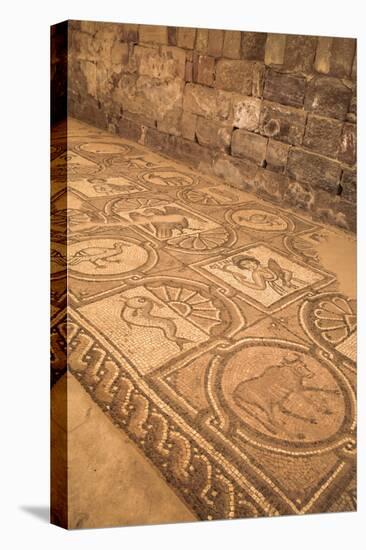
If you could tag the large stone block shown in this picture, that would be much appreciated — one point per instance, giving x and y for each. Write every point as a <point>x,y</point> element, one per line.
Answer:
<point>276,156</point>
<point>283,123</point>
<point>129,129</point>
<point>171,122</point>
<point>213,134</point>
<point>207,102</point>
<point>246,112</point>
<point>284,88</point>
<point>130,33</point>
<point>204,70</point>
<point>165,64</point>
<point>313,169</point>
<point>215,42</point>
<point>275,49</point>
<point>250,146</point>
<point>322,135</point>
<point>299,53</point>
<point>186,37</point>
<point>270,185</point>
<point>335,56</point>
<point>153,34</point>
<point>164,143</point>
<point>149,97</point>
<point>348,148</point>
<point>237,172</point>
<point>328,96</point>
<point>191,153</point>
<point>202,41</point>
<point>188,125</point>
<point>82,46</point>
<point>119,54</point>
<point>232,44</point>
<point>234,76</point>
<point>253,45</point>
<point>172,36</point>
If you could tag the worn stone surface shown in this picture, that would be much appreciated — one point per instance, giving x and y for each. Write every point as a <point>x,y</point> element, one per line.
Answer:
<point>246,112</point>
<point>276,156</point>
<point>186,37</point>
<point>172,36</point>
<point>313,169</point>
<point>154,34</point>
<point>238,172</point>
<point>202,41</point>
<point>299,53</point>
<point>348,147</point>
<point>111,483</point>
<point>232,44</point>
<point>271,185</point>
<point>283,88</point>
<point>207,102</point>
<point>163,64</point>
<point>335,56</point>
<point>322,135</point>
<point>130,32</point>
<point>258,79</point>
<point>299,195</point>
<point>250,146</point>
<point>328,96</point>
<point>211,133</point>
<point>349,185</point>
<point>205,70</point>
<point>215,42</point>
<point>253,45</point>
<point>171,123</point>
<point>234,76</point>
<point>294,90</point>
<point>283,123</point>
<point>188,125</point>
<point>275,49</point>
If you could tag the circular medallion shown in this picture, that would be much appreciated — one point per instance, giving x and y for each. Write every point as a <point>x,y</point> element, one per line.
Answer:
<point>167,178</point>
<point>104,258</point>
<point>104,148</point>
<point>278,394</point>
<point>259,220</point>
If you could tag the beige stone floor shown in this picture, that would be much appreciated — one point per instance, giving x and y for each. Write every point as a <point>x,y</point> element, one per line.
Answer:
<point>211,344</point>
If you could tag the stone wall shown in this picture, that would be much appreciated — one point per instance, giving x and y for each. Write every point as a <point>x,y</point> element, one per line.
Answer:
<point>271,113</point>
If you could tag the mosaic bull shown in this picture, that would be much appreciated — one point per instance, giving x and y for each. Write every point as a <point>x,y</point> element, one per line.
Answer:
<point>268,394</point>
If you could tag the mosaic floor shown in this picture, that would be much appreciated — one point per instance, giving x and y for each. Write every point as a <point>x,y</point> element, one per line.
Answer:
<point>214,332</point>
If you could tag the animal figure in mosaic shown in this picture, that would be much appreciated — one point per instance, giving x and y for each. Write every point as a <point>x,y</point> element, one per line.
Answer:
<point>163,224</point>
<point>273,275</point>
<point>261,219</point>
<point>99,256</point>
<point>264,396</point>
<point>138,311</point>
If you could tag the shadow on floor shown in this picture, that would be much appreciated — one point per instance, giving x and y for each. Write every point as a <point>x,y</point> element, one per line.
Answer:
<point>40,512</point>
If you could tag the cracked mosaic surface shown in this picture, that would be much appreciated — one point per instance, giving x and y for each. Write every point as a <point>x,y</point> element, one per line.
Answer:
<point>206,326</point>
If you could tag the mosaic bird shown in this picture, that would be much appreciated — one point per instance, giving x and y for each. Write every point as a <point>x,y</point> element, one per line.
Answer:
<point>137,311</point>
<point>98,255</point>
